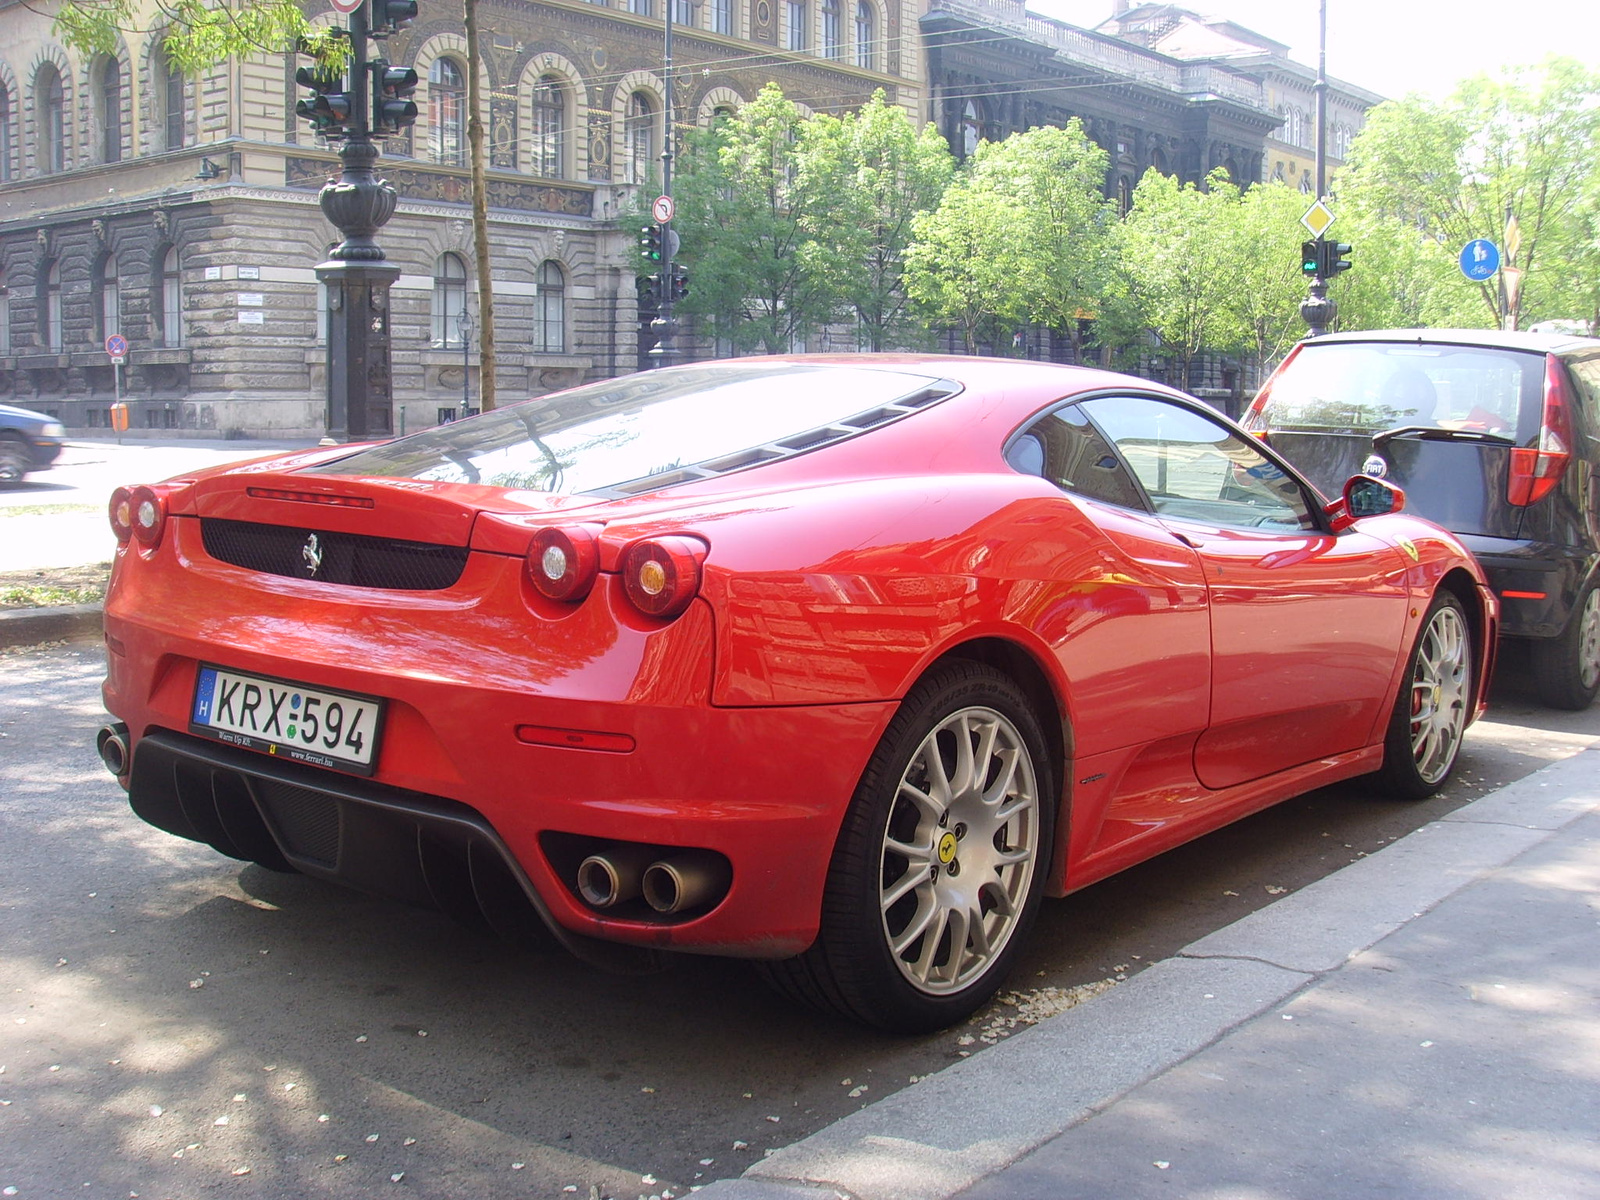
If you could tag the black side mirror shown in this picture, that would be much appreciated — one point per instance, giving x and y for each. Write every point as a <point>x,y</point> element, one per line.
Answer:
<point>1364,496</point>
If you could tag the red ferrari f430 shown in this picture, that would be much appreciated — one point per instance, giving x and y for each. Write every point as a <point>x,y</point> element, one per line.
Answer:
<point>840,664</point>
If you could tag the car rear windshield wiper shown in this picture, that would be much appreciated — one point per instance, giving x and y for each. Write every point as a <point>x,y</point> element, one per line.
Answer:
<point>1435,433</point>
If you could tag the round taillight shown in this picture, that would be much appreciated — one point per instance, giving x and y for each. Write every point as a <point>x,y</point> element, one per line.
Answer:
<point>148,515</point>
<point>563,562</point>
<point>661,575</point>
<point>121,513</point>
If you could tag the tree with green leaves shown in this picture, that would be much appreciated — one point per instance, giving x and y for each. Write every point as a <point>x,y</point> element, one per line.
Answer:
<point>1177,268</point>
<point>881,174</point>
<point>955,275</point>
<point>1508,158</point>
<point>748,215</point>
<point>1022,237</point>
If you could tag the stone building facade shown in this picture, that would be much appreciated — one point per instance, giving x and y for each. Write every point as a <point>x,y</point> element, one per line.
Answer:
<point>181,211</point>
<point>1288,87</point>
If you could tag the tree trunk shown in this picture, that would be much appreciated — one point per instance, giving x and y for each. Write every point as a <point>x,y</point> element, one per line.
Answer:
<point>480,212</point>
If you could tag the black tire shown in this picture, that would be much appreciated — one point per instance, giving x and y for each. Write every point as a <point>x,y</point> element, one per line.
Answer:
<point>907,838</point>
<point>14,461</point>
<point>1433,706</point>
<point>1566,668</point>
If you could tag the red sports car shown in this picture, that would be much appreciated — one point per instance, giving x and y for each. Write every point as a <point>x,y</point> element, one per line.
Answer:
<point>836,663</point>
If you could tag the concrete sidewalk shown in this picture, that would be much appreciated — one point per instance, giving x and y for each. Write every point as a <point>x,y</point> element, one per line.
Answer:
<point>1424,1023</point>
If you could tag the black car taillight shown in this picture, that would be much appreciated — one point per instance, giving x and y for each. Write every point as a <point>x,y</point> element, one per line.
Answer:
<point>1537,469</point>
<point>1255,417</point>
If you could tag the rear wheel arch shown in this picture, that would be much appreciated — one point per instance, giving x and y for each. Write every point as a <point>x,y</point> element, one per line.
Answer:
<point>1010,658</point>
<point>1464,588</point>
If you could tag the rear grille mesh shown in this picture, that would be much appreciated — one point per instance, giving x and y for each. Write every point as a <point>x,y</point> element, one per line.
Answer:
<point>307,821</point>
<point>344,558</point>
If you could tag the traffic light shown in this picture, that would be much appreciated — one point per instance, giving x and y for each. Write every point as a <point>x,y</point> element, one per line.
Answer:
<point>649,288</point>
<point>650,243</point>
<point>390,16</point>
<point>328,107</point>
<point>392,106</point>
<point>680,281</point>
<point>1311,258</point>
<point>1335,258</point>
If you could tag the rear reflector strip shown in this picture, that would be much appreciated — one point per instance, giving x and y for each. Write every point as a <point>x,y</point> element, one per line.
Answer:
<point>1524,595</point>
<point>575,739</point>
<point>312,498</point>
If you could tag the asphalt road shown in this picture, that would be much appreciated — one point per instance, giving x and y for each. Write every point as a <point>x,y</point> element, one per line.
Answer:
<point>172,1020</point>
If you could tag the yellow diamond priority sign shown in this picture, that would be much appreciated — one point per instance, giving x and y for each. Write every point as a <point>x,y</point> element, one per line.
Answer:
<point>1317,219</point>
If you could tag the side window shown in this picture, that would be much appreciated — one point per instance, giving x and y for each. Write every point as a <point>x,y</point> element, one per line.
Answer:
<point>1068,451</point>
<point>1192,467</point>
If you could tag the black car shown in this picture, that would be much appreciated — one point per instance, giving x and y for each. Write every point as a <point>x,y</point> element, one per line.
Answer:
<point>1495,436</point>
<point>29,441</point>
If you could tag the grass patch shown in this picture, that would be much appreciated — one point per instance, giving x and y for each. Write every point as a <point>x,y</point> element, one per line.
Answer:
<point>47,588</point>
<point>47,510</point>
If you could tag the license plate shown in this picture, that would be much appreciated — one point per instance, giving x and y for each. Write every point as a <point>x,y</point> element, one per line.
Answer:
<point>288,719</point>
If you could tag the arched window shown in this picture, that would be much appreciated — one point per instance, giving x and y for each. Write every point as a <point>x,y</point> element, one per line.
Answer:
<point>170,95</point>
<point>170,331</point>
<point>971,129</point>
<point>1124,194</point>
<point>109,311</point>
<point>550,128</point>
<point>832,29</point>
<point>447,106</point>
<point>866,24</point>
<point>449,299</point>
<point>722,17</point>
<point>639,138</point>
<point>51,97</point>
<point>550,322</point>
<point>110,84</point>
<point>1158,160</point>
<point>50,333</point>
<point>798,17</point>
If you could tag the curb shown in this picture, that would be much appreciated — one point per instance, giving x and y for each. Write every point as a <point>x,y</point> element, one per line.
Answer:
<point>30,626</point>
<point>940,1136</point>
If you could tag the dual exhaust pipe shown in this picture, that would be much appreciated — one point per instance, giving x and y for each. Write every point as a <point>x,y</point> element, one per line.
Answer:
<point>671,882</point>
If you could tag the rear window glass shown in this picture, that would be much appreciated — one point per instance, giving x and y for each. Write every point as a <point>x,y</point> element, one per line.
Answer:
<point>652,429</point>
<point>1368,387</point>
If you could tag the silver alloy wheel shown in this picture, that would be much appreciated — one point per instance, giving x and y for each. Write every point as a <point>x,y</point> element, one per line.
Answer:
<point>1589,640</point>
<point>958,850</point>
<point>1440,692</point>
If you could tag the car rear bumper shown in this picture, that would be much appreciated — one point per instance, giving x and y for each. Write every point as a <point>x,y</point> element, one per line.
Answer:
<point>1537,582</point>
<point>468,772</point>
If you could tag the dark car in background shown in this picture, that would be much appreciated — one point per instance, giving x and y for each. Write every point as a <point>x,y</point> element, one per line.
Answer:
<point>1496,436</point>
<point>29,441</point>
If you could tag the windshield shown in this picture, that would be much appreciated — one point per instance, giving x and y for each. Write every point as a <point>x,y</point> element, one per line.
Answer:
<point>1368,387</point>
<point>651,429</point>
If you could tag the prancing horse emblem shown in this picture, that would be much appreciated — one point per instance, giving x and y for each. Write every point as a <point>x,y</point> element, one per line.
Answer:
<point>312,553</point>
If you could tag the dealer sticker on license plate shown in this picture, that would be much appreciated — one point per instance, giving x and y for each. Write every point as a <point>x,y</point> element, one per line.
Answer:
<point>278,716</point>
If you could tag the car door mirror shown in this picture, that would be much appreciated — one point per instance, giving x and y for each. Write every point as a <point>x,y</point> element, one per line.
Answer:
<point>1364,496</point>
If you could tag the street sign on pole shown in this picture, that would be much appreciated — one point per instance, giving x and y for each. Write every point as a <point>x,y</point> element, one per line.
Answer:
<point>1317,219</point>
<point>663,209</point>
<point>117,346</point>
<point>346,6</point>
<point>1480,258</point>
